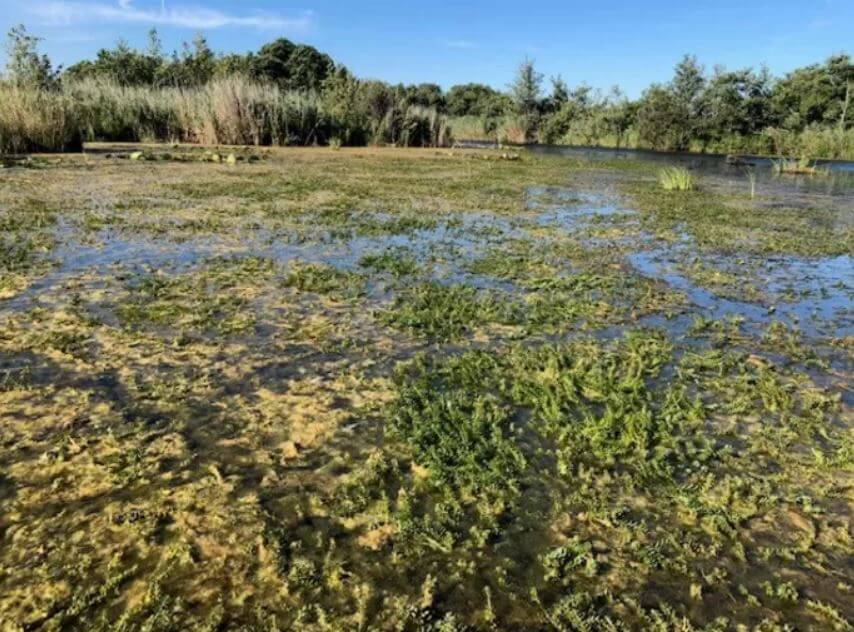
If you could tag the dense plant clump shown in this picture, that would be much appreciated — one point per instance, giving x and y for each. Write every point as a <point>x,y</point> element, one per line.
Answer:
<point>676,179</point>
<point>289,93</point>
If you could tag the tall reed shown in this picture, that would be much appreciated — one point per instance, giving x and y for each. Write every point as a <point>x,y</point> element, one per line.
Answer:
<point>37,120</point>
<point>228,111</point>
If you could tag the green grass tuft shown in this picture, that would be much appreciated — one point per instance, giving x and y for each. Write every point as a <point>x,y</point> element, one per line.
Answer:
<point>676,179</point>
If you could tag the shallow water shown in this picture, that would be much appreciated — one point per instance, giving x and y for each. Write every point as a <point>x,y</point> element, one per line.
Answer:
<point>815,295</point>
<point>838,181</point>
<point>442,251</point>
<point>830,314</point>
<point>225,413</point>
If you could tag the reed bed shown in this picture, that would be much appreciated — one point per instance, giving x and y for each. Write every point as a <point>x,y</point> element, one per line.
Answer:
<point>36,120</point>
<point>228,111</point>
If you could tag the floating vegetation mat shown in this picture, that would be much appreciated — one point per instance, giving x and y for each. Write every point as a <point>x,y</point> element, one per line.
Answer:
<point>407,390</point>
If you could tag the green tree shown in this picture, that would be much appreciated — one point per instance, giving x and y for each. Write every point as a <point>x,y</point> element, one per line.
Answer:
<point>198,62</point>
<point>294,66</point>
<point>195,66</point>
<point>476,99</point>
<point>525,91</point>
<point>155,44</point>
<point>758,94</point>
<point>816,94</point>
<point>660,119</point>
<point>723,105</point>
<point>123,64</point>
<point>619,115</point>
<point>307,68</point>
<point>687,88</point>
<point>526,88</point>
<point>344,100</point>
<point>26,66</point>
<point>688,81</point>
<point>559,95</point>
<point>570,116</point>
<point>234,64</point>
<point>379,98</point>
<point>272,61</point>
<point>427,95</point>
<point>733,104</point>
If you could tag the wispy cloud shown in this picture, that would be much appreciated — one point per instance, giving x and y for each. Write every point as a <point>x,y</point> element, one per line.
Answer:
<point>67,12</point>
<point>820,23</point>
<point>464,44</point>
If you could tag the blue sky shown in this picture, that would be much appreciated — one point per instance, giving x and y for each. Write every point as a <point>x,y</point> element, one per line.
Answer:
<point>451,41</point>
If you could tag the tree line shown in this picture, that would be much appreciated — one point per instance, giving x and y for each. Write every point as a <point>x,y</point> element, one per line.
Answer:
<point>805,111</point>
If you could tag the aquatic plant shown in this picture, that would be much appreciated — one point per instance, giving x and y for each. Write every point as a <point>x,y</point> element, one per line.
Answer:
<point>235,443</point>
<point>801,166</point>
<point>398,263</point>
<point>718,222</point>
<point>464,441</point>
<point>751,180</point>
<point>443,311</point>
<point>323,279</point>
<point>676,179</point>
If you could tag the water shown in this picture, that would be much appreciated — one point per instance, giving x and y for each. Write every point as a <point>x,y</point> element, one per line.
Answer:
<point>824,292</point>
<point>813,294</point>
<point>441,251</point>
<point>816,295</point>
<point>838,181</point>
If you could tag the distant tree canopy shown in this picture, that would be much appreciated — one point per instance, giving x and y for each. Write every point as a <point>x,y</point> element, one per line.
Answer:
<point>821,93</point>
<point>25,66</point>
<point>289,65</point>
<point>427,95</point>
<point>476,99</point>
<point>294,66</point>
<point>695,109</point>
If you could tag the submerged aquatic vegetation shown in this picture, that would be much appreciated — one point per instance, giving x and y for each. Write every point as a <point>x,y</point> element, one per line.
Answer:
<point>722,222</point>
<point>398,263</point>
<point>593,415</point>
<point>323,279</point>
<point>317,392</point>
<point>26,226</point>
<point>209,299</point>
<point>445,312</point>
<point>463,441</point>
